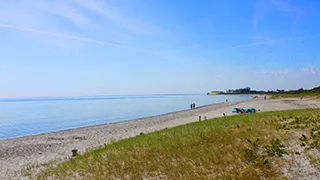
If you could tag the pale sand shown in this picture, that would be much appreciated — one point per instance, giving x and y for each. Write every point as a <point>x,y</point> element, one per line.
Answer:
<point>19,153</point>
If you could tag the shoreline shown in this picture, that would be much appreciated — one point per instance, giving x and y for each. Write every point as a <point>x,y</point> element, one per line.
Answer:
<point>147,117</point>
<point>19,153</point>
<point>104,124</point>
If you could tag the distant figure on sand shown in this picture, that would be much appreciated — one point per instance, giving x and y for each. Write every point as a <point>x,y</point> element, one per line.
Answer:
<point>224,114</point>
<point>226,100</point>
<point>192,106</point>
<point>265,97</point>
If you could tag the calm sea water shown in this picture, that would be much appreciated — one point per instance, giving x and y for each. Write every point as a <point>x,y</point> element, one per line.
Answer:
<point>21,117</point>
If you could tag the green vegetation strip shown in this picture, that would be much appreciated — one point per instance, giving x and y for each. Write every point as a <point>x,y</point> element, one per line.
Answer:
<point>234,147</point>
<point>302,93</point>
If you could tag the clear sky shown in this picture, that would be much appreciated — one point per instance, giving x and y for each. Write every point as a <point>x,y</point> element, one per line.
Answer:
<point>100,47</point>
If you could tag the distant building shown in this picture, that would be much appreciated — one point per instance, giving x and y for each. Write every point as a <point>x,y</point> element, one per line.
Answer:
<point>214,92</point>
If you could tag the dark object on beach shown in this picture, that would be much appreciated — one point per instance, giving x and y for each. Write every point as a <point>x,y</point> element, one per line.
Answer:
<point>224,114</point>
<point>199,118</point>
<point>191,106</point>
<point>194,105</point>
<point>205,117</point>
<point>244,110</point>
<point>236,110</point>
<point>79,137</point>
<point>74,152</point>
<point>265,97</point>
<point>226,100</point>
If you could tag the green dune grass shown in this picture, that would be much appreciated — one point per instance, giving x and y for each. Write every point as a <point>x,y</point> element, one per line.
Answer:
<point>234,147</point>
<point>315,93</point>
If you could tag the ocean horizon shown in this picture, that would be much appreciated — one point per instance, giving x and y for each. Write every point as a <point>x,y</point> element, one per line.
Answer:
<point>93,97</point>
<point>30,116</point>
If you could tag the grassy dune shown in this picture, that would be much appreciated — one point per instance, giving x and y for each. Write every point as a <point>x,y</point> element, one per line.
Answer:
<point>315,93</point>
<point>235,147</point>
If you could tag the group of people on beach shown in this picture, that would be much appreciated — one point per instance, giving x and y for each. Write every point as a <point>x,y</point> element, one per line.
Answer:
<point>193,106</point>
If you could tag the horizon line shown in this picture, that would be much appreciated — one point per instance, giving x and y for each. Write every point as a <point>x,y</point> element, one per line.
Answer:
<point>89,96</point>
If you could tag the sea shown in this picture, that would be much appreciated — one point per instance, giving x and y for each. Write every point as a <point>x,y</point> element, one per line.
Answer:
<point>31,116</point>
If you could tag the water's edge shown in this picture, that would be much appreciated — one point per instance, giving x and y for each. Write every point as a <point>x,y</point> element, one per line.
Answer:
<point>128,120</point>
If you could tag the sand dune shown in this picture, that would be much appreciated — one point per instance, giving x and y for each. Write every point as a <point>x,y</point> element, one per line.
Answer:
<point>19,153</point>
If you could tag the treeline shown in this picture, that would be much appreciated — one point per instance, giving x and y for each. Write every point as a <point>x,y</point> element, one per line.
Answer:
<point>248,90</point>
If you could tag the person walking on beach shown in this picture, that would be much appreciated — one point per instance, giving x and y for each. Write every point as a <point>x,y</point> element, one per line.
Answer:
<point>194,105</point>
<point>191,106</point>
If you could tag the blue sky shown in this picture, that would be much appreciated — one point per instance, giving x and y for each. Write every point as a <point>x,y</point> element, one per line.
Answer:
<point>100,47</point>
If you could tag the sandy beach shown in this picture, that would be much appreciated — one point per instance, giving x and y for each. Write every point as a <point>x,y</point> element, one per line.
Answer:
<point>19,153</point>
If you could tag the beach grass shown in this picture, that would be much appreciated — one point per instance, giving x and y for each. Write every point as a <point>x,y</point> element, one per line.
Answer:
<point>314,93</point>
<point>234,147</point>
